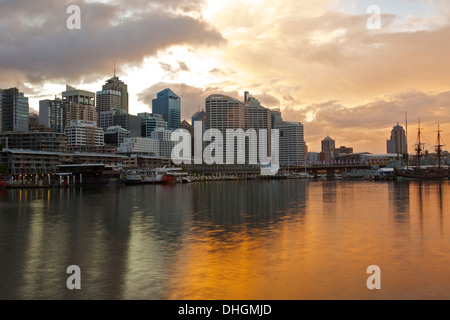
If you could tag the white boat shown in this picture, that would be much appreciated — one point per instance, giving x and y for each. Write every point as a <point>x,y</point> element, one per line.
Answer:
<point>131,177</point>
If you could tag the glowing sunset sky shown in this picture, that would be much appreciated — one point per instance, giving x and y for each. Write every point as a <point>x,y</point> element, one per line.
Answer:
<point>315,59</point>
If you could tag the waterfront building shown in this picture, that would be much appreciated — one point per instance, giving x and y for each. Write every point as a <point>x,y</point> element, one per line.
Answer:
<point>292,143</point>
<point>168,104</point>
<point>31,161</point>
<point>140,146</point>
<point>313,156</point>
<point>14,110</point>
<point>81,134</point>
<point>398,143</point>
<point>150,122</point>
<point>114,96</point>
<point>38,141</point>
<point>115,135</point>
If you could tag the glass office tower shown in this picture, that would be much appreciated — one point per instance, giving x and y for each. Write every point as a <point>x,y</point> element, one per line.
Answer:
<point>14,109</point>
<point>168,104</point>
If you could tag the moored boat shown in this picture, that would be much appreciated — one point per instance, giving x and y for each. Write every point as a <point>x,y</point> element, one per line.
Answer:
<point>419,172</point>
<point>3,182</point>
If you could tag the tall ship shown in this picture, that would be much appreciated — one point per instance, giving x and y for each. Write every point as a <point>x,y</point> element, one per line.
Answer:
<point>437,172</point>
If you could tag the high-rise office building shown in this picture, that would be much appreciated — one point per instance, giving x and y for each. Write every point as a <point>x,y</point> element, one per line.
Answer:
<point>275,117</point>
<point>222,113</point>
<point>109,100</point>
<point>168,104</point>
<point>106,119</point>
<point>150,122</point>
<point>79,105</point>
<point>14,110</point>
<point>292,143</point>
<point>114,95</point>
<point>130,122</point>
<point>328,144</point>
<point>258,118</point>
<point>51,114</point>
<point>328,149</point>
<point>79,96</point>
<point>198,116</point>
<point>398,143</point>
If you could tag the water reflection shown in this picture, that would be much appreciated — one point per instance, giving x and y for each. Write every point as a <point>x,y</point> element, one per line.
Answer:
<point>290,239</point>
<point>400,200</point>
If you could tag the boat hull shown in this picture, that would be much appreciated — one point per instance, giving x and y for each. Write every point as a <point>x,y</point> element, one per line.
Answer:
<point>423,175</point>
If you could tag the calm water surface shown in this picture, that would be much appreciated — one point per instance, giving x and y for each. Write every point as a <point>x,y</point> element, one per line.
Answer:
<point>288,239</point>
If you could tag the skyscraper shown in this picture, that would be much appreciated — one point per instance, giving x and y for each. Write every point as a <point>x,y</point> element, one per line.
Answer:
<point>79,96</point>
<point>198,116</point>
<point>109,100</point>
<point>79,105</point>
<point>328,145</point>
<point>51,114</point>
<point>398,142</point>
<point>222,113</point>
<point>14,110</point>
<point>292,143</point>
<point>114,95</point>
<point>275,117</point>
<point>258,117</point>
<point>168,104</point>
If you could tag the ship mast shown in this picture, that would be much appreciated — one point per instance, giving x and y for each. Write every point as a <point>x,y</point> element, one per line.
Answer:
<point>439,147</point>
<point>419,147</point>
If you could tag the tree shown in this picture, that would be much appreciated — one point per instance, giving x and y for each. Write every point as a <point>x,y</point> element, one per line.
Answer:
<point>3,168</point>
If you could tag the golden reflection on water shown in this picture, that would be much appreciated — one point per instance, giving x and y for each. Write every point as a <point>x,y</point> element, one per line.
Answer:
<point>324,252</point>
<point>236,240</point>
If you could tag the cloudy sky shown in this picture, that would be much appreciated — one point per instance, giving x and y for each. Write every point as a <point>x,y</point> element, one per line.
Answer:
<point>315,59</point>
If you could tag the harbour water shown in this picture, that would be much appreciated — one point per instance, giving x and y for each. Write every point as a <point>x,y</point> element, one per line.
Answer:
<point>284,239</point>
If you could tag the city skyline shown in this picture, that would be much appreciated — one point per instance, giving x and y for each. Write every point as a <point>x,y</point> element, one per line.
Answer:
<point>324,68</point>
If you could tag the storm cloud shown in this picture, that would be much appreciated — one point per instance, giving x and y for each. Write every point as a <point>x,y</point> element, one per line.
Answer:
<point>37,46</point>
